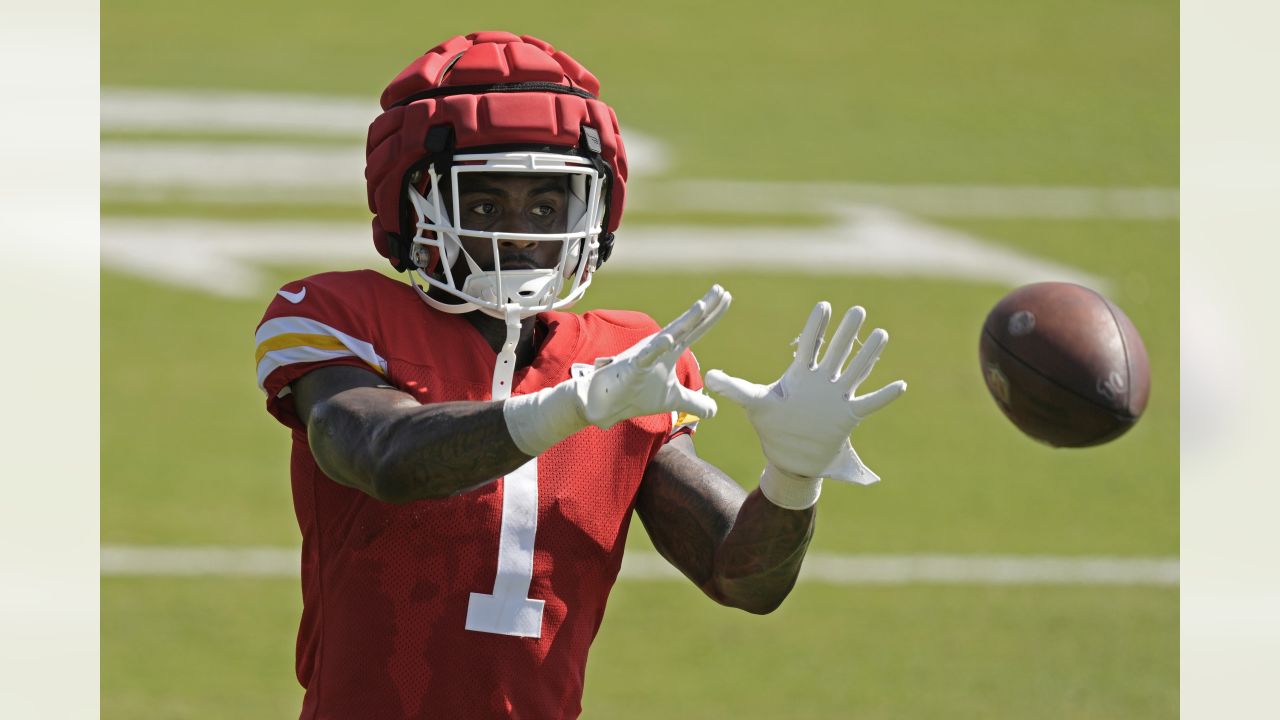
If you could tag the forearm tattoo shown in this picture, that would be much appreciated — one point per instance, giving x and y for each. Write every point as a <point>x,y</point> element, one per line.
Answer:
<point>759,561</point>
<point>398,450</point>
<point>448,448</point>
<point>739,548</point>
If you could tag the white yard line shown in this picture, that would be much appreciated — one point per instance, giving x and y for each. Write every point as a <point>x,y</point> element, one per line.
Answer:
<point>214,167</point>
<point>932,200</point>
<point>302,173</point>
<point>862,240</point>
<point>873,229</point>
<point>135,561</point>
<point>224,257</point>
<point>248,173</point>
<point>143,110</point>
<point>213,111</point>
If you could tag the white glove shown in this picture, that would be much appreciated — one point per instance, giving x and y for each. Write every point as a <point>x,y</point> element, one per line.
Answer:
<point>805,418</point>
<point>639,381</point>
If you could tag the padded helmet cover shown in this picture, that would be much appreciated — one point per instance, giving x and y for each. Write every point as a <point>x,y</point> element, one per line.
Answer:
<point>397,139</point>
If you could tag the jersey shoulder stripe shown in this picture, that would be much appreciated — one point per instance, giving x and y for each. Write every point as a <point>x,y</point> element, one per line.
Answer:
<point>292,339</point>
<point>285,341</point>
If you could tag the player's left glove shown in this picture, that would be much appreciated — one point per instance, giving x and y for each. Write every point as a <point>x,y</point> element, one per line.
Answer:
<point>638,381</point>
<point>805,418</point>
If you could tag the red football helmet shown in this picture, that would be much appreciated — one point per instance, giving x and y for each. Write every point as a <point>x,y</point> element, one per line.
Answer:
<point>493,102</point>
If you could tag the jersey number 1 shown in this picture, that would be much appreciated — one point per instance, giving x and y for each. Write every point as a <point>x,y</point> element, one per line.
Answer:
<point>510,610</point>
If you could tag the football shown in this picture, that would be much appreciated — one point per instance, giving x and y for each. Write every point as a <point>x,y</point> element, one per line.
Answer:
<point>1064,364</point>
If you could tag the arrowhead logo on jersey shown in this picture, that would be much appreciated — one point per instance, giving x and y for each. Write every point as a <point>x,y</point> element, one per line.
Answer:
<point>294,298</point>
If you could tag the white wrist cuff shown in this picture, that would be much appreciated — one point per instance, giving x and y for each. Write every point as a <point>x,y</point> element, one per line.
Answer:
<point>539,420</point>
<point>793,492</point>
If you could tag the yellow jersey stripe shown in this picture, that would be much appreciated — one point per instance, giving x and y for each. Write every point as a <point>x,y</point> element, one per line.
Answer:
<point>683,419</point>
<point>291,340</point>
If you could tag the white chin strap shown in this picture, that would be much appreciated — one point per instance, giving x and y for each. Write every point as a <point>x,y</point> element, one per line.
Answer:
<point>504,369</point>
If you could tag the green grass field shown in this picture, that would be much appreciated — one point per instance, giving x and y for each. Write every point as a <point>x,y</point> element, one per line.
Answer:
<point>1052,92</point>
<point>993,92</point>
<point>189,649</point>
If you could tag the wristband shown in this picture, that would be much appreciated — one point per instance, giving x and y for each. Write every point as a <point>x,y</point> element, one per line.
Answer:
<point>792,492</point>
<point>539,420</point>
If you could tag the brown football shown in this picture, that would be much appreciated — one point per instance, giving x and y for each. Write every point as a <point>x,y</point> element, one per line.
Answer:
<point>1064,364</point>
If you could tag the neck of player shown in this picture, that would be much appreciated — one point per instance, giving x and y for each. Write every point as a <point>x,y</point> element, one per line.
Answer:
<point>494,332</point>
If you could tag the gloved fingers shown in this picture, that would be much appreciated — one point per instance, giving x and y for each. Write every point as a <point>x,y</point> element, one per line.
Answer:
<point>811,337</point>
<point>864,405</point>
<point>655,347</point>
<point>862,363</point>
<point>738,390</point>
<point>682,325</point>
<point>695,403</point>
<point>686,321</point>
<point>720,303</point>
<point>842,342</point>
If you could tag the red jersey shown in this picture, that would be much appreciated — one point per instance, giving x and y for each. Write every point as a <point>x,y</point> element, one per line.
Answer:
<point>419,610</point>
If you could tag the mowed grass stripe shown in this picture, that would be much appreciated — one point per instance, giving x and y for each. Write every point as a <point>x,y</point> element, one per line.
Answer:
<point>265,561</point>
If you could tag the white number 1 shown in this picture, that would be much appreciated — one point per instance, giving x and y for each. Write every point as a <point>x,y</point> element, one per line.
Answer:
<point>510,610</point>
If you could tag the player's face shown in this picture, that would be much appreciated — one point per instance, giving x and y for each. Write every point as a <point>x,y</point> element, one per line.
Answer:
<point>515,204</point>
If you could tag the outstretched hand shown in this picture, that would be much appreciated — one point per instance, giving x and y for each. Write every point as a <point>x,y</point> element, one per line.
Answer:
<point>641,380</point>
<point>638,381</point>
<point>804,419</point>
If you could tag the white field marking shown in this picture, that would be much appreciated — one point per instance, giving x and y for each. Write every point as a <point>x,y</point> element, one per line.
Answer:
<point>258,172</point>
<point>865,236</point>
<point>942,201</point>
<point>134,560</point>
<point>247,172</point>
<point>221,169</point>
<point>214,111</point>
<point>224,258</point>
<point>866,240</point>
<point>141,110</point>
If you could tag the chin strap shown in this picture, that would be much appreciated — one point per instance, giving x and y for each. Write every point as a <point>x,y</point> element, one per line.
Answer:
<point>505,368</point>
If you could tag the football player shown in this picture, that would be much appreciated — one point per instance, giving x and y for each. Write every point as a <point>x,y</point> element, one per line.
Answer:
<point>467,455</point>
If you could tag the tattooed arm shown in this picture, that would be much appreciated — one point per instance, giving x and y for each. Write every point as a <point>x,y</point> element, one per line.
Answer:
<point>367,435</point>
<point>741,549</point>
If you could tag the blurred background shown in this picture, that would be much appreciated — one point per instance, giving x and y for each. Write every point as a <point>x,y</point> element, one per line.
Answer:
<point>919,158</point>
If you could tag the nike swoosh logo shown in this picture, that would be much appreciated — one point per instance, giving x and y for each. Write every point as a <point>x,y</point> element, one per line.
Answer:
<point>294,298</point>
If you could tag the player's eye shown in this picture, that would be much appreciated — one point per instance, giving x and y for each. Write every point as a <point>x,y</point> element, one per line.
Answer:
<point>544,211</point>
<point>484,208</point>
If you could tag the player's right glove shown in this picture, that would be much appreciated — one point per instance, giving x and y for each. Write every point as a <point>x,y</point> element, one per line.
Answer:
<point>805,418</point>
<point>639,381</point>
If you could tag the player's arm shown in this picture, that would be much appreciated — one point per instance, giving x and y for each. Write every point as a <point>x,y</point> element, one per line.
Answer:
<point>372,437</point>
<point>739,548</point>
<point>747,551</point>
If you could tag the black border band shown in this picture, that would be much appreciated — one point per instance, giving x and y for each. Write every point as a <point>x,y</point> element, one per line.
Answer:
<point>494,88</point>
